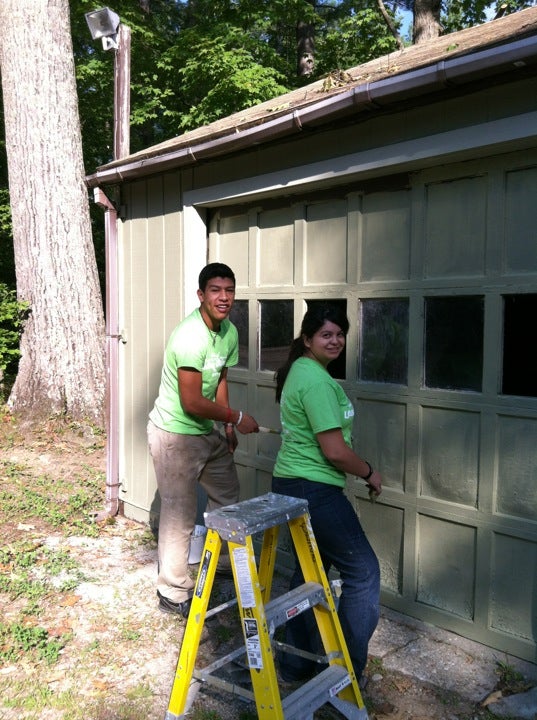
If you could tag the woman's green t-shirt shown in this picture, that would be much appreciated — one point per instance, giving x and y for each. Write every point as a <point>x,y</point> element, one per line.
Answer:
<point>312,402</point>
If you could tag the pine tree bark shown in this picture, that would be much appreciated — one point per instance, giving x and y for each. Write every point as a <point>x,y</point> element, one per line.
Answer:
<point>62,367</point>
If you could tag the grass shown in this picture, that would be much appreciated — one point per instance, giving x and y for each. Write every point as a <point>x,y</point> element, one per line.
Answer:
<point>31,571</point>
<point>37,575</point>
<point>67,503</point>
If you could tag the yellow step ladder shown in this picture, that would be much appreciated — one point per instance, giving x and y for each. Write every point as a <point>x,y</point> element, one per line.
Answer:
<point>260,616</point>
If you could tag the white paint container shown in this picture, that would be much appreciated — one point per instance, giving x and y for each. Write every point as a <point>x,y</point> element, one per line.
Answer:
<point>197,541</point>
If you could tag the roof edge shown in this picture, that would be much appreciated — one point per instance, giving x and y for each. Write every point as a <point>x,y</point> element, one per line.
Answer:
<point>369,96</point>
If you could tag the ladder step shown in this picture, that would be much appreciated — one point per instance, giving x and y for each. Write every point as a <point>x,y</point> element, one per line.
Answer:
<point>290,604</point>
<point>303,702</point>
<point>237,522</point>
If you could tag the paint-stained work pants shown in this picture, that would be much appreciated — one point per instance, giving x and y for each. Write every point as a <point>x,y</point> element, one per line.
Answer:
<point>181,462</point>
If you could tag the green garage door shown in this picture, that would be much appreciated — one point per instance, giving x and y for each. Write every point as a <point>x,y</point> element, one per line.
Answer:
<point>438,274</point>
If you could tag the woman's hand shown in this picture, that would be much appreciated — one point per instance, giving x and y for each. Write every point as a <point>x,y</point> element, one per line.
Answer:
<point>336,451</point>
<point>374,484</point>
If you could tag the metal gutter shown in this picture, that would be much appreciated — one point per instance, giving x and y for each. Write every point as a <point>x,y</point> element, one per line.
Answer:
<point>112,356</point>
<point>455,71</point>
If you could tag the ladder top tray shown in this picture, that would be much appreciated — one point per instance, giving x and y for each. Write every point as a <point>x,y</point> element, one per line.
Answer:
<point>236,522</point>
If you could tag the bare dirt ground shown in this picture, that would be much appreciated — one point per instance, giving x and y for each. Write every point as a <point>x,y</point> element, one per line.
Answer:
<point>119,652</point>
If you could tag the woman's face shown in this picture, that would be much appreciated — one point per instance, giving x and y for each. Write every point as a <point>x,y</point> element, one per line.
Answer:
<point>327,343</point>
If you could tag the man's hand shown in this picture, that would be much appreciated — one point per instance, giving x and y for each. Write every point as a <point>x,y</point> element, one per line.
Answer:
<point>247,424</point>
<point>231,438</point>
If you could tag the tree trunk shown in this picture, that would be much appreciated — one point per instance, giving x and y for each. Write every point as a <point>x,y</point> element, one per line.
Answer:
<point>426,20</point>
<point>305,44</point>
<point>62,367</point>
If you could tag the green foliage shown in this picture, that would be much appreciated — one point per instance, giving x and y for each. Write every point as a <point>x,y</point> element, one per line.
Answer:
<point>17,640</point>
<point>461,14</point>
<point>12,313</point>
<point>354,40</point>
<point>204,714</point>
<point>232,81</point>
<point>196,61</point>
<point>510,680</point>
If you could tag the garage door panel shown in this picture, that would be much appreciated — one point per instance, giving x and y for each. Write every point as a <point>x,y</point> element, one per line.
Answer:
<point>449,455</point>
<point>455,228</point>
<point>517,467</point>
<point>384,525</point>
<point>385,244</point>
<point>521,221</point>
<point>325,244</point>
<point>275,248</point>
<point>446,566</point>
<point>267,415</point>
<point>380,432</point>
<point>513,586</point>
<point>232,244</point>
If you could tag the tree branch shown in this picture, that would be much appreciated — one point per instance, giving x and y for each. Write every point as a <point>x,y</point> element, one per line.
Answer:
<point>389,22</point>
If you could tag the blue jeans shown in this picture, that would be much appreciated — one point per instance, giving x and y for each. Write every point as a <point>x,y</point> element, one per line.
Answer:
<point>343,545</point>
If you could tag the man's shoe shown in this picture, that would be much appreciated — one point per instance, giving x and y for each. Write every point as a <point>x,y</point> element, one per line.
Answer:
<point>168,606</point>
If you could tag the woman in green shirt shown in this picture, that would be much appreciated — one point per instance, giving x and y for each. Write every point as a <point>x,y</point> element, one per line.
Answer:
<point>315,456</point>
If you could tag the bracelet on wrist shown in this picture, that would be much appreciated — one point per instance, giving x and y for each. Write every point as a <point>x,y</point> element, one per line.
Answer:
<point>366,477</point>
<point>239,419</point>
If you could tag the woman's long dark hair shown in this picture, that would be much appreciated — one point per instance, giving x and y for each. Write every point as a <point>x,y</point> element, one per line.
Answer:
<point>313,320</point>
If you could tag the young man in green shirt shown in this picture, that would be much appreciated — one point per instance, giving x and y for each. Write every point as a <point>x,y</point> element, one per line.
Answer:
<point>184,444</point>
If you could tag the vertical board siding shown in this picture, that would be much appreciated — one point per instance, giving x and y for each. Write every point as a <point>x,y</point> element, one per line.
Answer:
<point>150,288</point>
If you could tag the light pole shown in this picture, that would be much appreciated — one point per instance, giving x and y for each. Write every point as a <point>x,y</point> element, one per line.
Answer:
<point>105,24</point>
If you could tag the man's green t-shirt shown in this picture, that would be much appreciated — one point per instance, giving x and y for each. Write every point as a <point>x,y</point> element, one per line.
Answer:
<point>312,402</point>
<point>193,345</point>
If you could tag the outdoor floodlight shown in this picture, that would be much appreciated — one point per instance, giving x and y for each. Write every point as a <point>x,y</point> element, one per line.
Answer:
<point>104,24</point>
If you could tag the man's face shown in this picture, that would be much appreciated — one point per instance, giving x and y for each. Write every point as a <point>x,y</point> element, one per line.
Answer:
<point>216,301</point>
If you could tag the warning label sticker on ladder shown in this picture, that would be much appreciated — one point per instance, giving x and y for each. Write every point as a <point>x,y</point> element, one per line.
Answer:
<point>245,587</point>
<point>297,609</point>
<point>253,646</point>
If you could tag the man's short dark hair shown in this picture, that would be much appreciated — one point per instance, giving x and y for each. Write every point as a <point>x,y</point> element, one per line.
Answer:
<point>213,270</point>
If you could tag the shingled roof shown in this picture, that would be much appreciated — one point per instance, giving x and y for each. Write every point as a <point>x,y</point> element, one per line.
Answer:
<point>426,61</point>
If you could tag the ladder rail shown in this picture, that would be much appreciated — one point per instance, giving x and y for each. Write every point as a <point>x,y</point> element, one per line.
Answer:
<point>257,638</point>
<point>326,617</point>
<point>194,626</point>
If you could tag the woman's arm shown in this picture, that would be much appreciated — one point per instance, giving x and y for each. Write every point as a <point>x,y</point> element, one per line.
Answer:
<point>337,452</point>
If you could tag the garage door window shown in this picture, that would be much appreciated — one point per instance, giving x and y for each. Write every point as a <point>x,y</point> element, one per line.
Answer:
<point>384,341</point>
<point>275,332</point>
<point>519,376</point>
<point>454,342</point>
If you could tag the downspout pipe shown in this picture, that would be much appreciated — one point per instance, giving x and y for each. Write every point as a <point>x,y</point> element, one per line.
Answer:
<point>455,71</point>
<point>112,356</point>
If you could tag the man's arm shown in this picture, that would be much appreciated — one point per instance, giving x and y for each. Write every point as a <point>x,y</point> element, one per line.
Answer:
<point>193,402</point>
<point>222,398</point>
